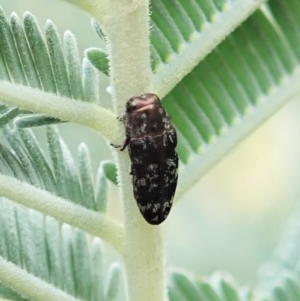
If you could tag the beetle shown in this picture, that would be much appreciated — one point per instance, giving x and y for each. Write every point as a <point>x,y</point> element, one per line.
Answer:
<point>151,140</point>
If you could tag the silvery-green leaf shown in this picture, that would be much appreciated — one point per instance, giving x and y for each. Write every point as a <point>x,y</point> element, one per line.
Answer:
<point>40,60</point>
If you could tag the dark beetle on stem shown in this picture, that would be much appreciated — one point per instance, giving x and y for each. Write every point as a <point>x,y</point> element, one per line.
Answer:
<point>151,140</point>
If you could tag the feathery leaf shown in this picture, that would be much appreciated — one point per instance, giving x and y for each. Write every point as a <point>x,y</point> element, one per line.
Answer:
<point>241,83</point>
<point>29,57</point>
<point>27,163</point>
<point>58,255</point>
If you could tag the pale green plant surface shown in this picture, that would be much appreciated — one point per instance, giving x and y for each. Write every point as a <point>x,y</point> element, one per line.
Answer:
<point>221,67</point>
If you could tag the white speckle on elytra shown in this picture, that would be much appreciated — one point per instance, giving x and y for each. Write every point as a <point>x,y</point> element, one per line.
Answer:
<point>142,208</point>
<point>155,219</point>
<point>137,160</point>
<point>166,205</point>
<point>165,140</point>
<point>155,208</point>
<point>171,138</point>
<point>151,178</point>
<point>143,127</point>
<point>153,186</point>
<point>170,162</point>
<point>142,182</point>
<point>152,167</point>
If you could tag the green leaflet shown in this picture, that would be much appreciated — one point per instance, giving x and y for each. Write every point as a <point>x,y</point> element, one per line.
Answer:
<point>112,282</point>
<point>243,81</point>
<point>280,278</point>
<point>27,163</point>
<point>29,57</point>
<point>55,253</point>
<point>98,58</point>
<point>219,287</point>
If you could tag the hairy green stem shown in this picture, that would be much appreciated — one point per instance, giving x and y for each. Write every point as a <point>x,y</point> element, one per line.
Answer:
<point>63,210</point>
<point>96,8</point>
<point>127,29</point>
<point>28,285</point>
<point>37,101</point>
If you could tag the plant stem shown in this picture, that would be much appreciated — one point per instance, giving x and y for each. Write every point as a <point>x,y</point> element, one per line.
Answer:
<point>63,210</point>
<point>26,284</point>
<point>127,29</point>
<point>81,112</point>
<point>128,43</point>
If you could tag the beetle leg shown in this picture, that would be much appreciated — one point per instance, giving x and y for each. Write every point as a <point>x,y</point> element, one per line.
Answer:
<point>122,146</point>
<point>115,145</point>
<point>125,143</point>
